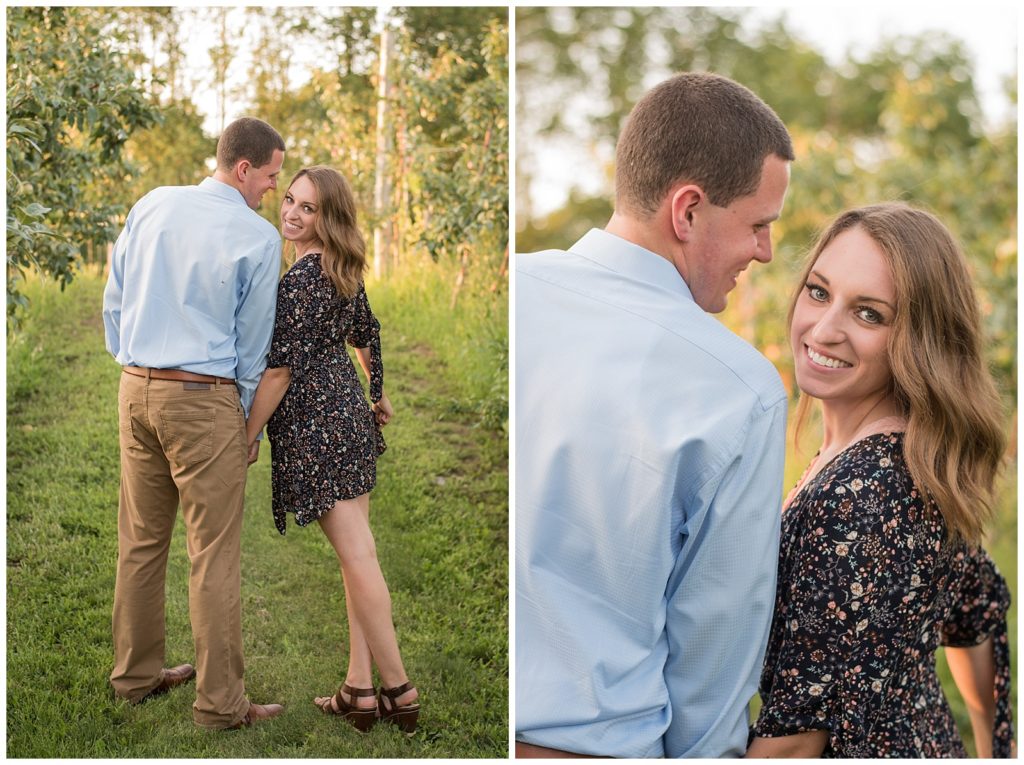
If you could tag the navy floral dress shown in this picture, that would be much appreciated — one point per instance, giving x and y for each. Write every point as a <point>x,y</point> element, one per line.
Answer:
<point>324,438</point>
<point>868,588</point>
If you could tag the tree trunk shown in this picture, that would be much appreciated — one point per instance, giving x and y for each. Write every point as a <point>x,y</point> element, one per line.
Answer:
<point>400,197</point>
<point>461,278</point>
<point>380,244</point>
<point>502,272</point>
<point>220,58</point>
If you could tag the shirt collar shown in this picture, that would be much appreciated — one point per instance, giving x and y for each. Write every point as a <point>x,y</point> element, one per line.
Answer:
<point>223,190</point>
<point>624,257</point>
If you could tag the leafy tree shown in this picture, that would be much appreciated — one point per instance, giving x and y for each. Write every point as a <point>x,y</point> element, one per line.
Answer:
<point>460,132</point>
<point>71,106</point>
<point>173,152</point>
<point>456,138</point>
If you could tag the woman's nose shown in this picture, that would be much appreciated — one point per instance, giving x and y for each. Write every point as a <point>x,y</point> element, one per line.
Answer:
<point>829,327</point>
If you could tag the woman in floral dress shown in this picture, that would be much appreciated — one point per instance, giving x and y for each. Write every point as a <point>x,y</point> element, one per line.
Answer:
<point>880,560</point>
<point>325,438</point>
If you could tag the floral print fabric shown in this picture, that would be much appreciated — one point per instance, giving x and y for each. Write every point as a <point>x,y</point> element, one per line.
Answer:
<point>324,438</point>
<point>868,588</point>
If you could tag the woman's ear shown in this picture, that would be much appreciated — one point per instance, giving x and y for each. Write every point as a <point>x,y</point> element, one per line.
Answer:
<point>686,200</point>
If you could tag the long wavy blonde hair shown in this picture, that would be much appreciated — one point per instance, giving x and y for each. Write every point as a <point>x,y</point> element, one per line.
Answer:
<point>344,250</point>
<point>954,441</point>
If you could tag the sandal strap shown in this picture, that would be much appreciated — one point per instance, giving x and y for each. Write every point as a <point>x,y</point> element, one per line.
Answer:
<point>394,693</point>
<point>346,688</point>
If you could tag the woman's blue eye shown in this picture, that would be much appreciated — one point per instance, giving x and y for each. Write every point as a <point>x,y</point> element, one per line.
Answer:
<point>870,315</point>
<point>817,293</point>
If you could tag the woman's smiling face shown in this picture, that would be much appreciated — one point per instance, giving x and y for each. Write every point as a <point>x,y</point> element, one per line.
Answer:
<point>842,321</point>
<point>298,213</point>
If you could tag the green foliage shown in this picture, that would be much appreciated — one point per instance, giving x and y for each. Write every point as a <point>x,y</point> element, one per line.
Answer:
<point>172,152</point>
<point>462,169</point>
<point>440,519</point>
<point>71,106</point>
<point>472,337</point>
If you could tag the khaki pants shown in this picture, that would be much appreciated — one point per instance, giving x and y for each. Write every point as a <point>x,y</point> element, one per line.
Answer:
<point>181,442</point>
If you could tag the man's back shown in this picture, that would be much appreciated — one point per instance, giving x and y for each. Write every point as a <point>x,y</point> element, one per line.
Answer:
<point>648,454</point>
<point>193,284</point>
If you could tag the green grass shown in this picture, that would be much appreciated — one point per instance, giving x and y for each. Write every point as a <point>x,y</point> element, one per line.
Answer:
<point>439,512</point>
<point>472,338</point>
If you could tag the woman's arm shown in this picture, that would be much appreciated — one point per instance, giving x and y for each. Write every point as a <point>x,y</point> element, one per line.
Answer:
<point>974,669</point>
<point>809,744</point>
<point>382,408</point>
<point>273,385</point>
<point>363,354</point>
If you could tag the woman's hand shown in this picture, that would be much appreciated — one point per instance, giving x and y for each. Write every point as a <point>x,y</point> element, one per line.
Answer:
<point>254,451</point>
<point>382,410</point>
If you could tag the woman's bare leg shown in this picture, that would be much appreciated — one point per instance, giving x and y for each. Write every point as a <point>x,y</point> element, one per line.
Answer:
<point>368,600</point>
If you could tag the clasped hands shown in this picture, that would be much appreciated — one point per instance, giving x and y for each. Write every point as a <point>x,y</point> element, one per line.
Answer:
<point>382,413</point>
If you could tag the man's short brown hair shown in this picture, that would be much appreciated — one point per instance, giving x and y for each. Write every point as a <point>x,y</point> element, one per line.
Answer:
<point>697,128</point>
<point>247,138</point>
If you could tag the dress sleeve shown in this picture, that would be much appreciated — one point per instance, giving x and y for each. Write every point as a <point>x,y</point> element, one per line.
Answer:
<point>287,347</point>
<point>843,606</point>
<point>979,612</point>
<point>365,333</point>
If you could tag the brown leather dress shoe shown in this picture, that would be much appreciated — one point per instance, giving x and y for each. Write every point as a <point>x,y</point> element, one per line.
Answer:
<point>171,678</point>
<point>257,712</point>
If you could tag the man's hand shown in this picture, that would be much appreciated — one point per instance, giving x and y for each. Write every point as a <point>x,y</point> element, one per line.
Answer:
<point>254,451</point>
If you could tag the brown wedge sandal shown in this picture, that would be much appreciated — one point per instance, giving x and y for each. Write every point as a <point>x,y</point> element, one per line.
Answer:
<point>404,717</point>
<point>362,719</point>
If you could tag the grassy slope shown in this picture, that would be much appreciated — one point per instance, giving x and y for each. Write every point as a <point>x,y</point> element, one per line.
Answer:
<point>439,513</point>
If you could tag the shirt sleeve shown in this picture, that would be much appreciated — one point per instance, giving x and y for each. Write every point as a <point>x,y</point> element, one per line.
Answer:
<point>113,293</point>
<point>979,612</point>
<point>365,333</point>
<point>254,322</point>
<point>721,594</point>
<point>844,612</point>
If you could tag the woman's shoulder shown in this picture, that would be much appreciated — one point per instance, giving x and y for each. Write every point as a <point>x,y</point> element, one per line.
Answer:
<point>307,264</point>
<point>869,485</point>
<point>878,456</point>
<point>303,274</point>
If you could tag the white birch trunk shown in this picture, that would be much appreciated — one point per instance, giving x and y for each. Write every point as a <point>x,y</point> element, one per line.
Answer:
<point>380,237</point>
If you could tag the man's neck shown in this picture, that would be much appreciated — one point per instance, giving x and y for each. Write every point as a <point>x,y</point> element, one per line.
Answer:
<point>645,233</point>
<point>226,178</point>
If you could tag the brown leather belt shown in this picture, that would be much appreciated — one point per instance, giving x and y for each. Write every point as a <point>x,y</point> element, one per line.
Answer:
<point>532,751</point>
<point>175,374</point>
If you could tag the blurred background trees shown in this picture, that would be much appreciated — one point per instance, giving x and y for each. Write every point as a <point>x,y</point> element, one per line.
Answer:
<point>100,110</point>
<point>903,122</point>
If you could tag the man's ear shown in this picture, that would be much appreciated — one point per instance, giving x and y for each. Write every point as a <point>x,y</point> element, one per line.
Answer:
<point>242,169</point>
<point>684,203</point>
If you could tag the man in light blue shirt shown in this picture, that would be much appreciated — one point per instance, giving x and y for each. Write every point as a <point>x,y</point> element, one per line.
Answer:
<point>188,313</point>
<point>650,445</point>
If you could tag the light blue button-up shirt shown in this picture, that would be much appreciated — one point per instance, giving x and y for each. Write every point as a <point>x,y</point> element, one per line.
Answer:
<point>649,447</point>
<point>193,285</point>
